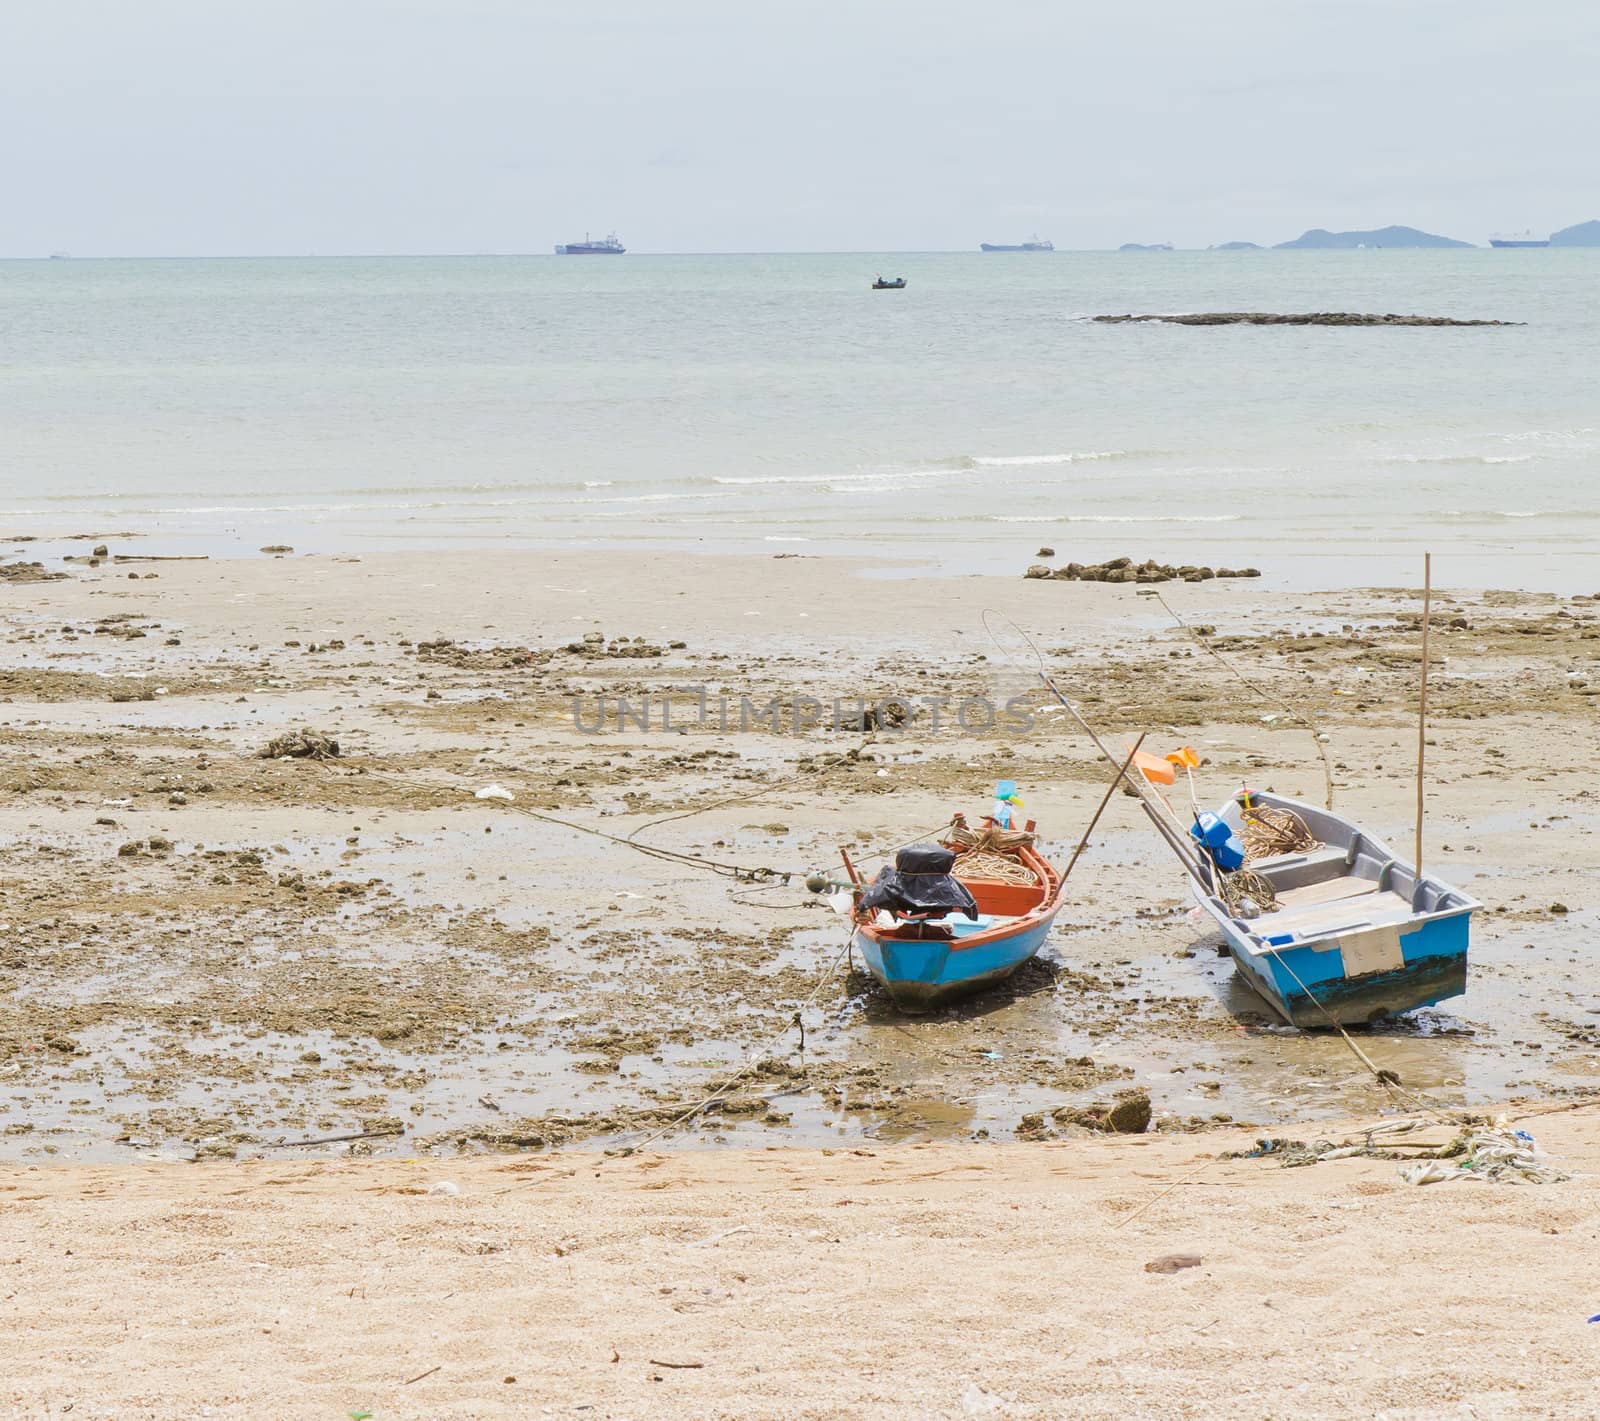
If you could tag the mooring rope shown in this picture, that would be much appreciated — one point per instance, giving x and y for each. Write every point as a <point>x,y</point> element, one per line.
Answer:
<point>1294,711</point>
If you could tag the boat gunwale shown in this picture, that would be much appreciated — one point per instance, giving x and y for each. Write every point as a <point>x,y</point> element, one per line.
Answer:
<point>1328,939</point>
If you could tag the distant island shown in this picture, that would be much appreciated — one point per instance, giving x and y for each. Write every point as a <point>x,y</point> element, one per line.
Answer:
<point>1236,247</point>
<point>1142,247</point>
<point>1320,239</point>
<point>1584,234</point>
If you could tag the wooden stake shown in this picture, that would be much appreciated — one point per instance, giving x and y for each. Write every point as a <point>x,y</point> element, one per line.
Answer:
<point>1111,789</point>
<point>1422,708</point>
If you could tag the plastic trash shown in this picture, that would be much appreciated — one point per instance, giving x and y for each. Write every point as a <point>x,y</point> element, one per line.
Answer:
<point>1432,1172</point>
<point>1006,799</point>
<point>978,1401</point>
<point>445,1188</point>
<point>842,901</point>
<point>496,792</point>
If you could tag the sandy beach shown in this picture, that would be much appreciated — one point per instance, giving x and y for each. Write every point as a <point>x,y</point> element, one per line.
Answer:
<point>211,958</point>
<point>914,1281</point>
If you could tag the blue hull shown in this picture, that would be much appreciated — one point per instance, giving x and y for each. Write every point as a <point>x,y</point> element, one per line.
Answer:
<point>1308,985</point>
<point>922,975</point>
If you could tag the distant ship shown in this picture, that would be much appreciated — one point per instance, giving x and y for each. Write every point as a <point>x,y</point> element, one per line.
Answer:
<point>1033,246</point>
<point>1524,239</point>
<point>610,247</point>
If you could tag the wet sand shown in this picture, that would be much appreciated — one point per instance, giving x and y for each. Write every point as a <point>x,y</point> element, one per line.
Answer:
<point>932,1280</point>
<point>208,953</point>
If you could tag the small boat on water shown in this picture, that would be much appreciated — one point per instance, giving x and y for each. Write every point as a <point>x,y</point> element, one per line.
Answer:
<point>897,284</point>
<point>1349,934</point>
<point>931,930</point>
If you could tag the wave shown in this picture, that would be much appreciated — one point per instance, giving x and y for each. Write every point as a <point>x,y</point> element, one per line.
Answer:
<point>1567,515</point>
<point>864,478</point>
<point>1002,461</point>
<point>1459,458</point>
<point>1113,518</point>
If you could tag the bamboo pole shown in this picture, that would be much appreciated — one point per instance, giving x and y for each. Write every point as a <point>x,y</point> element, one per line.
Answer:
<point>1111,789</point>
<point>1422,707</point>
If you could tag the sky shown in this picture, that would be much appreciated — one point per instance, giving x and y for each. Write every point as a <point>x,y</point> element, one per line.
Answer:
<point>241,127</point>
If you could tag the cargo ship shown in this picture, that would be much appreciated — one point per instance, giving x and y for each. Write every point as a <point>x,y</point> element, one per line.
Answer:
<point>1031,246</point>
<point>1523,239</point>
<point>608,247</point>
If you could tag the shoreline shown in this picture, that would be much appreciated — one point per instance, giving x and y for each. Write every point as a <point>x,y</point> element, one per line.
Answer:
<point>1296,568</point>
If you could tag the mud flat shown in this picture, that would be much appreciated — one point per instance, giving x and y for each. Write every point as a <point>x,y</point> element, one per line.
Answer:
<point>210,953</point>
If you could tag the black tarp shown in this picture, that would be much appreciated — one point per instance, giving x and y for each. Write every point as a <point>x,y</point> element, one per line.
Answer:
<point>920,885</point>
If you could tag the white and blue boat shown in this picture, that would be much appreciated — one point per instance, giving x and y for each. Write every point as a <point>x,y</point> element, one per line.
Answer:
<point>940,943</point>
<point>1352,936</point>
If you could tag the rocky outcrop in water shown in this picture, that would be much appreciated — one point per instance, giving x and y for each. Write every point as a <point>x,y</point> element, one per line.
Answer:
<point>1304,318</point>
<point>1126,570</point>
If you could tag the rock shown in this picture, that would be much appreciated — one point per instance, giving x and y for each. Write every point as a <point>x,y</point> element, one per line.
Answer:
<point>101,551</point>
<point>277,548</point>
<point>444,1188</point>
<point>1307,318</point>
<point>1173,1263</point>
<point>301,745</point>
<point>1032,1127</point>
<point>1037,570</point>
<point>1128,1114</point>
<point>28,572</point>
<point>1045,553</point>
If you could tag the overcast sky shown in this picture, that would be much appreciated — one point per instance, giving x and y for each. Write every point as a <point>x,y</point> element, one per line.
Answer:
<point>152,127</point>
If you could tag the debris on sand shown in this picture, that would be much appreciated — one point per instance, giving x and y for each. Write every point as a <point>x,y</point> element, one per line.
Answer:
<point>301,745</point>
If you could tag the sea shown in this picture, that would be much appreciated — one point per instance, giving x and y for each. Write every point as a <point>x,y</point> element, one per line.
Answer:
<point>765,404</point>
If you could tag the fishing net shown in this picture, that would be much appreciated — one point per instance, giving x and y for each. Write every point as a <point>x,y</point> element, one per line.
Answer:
<point>1267,832</point>
<point>1493,1150</point>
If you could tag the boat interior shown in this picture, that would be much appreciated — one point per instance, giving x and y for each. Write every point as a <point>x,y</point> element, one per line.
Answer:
<point>999,905</point>
<point>1350,882</point>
